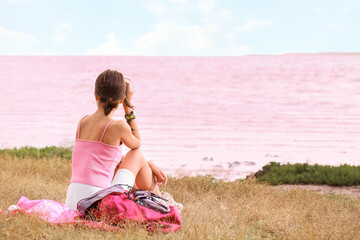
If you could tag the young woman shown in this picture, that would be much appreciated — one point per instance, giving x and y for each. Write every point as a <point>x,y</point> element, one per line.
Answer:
<point>97,160</point>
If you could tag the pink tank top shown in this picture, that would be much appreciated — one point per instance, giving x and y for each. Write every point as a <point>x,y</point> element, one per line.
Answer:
<point>94,162</point>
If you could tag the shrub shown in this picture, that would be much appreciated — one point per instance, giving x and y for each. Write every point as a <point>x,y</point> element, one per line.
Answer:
<point>275,174</point>
<point>46,152</point>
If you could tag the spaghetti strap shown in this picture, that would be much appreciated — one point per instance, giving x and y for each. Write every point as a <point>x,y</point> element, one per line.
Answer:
<point>102,136</point>
<point>78,135</point>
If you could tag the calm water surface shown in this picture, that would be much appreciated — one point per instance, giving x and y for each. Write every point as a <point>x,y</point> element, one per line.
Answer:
<point>227,116</point>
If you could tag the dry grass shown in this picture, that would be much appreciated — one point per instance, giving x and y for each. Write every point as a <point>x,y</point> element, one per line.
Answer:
<point>213,209</point>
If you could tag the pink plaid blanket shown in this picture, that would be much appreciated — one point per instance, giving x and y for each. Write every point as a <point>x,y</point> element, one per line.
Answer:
<point>109,212</point>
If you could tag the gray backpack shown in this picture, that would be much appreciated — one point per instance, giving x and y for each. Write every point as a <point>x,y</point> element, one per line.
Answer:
<point>144,198</point>
<point>152,201</point>
<point>86,203</point>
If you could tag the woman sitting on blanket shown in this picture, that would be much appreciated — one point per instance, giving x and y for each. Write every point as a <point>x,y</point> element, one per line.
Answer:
<point>97,160</point>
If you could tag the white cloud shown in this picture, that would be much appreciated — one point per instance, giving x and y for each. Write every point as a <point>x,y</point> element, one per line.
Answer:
<point>61,33</point>
<point>171,36</point>
<point>155,6</point>
<point>235,49</point>
<point>110,47</point>
<point>317,10</point>
<point>253,24</point>
<point>225,15</point>
<point>240,50</point>
<point>15,42</point>
<point>169,9</point>
<point>64,26</point>
<point>212,15</point>
<point>15,1</point>
<point>336,26</point>
<point>182,4</point>
<point>58,38</point>
<point>206,6</point>
<point>175,39</point>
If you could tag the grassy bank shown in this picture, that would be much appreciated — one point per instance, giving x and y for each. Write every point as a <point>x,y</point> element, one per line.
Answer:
<point>213,209</point>
<point>46,152</point>
<point>275,174</point>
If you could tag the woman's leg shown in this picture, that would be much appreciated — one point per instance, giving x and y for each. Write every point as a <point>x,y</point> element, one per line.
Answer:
<point>135,162</point>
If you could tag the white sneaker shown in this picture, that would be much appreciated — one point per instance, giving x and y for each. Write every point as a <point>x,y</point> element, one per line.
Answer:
<point>171,200</point>
<point>13,207</point>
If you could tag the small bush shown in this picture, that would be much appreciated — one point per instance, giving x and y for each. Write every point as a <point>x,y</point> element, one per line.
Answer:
<point>46,152</point>
<point>275,174</point>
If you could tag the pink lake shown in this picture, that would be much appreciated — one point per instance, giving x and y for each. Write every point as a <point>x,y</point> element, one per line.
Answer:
<point>225,116</point>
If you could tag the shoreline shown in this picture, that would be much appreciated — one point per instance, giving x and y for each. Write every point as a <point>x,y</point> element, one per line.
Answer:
<point>225,175</point>
<point>350,191</point>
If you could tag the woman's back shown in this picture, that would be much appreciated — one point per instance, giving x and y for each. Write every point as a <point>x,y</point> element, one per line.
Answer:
<point>93,128</point>
<point>93,160</point>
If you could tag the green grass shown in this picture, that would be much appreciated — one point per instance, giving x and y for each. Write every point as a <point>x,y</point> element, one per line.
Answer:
<point>46,152</point>
<point>213,209</point>
<point>275,174</point>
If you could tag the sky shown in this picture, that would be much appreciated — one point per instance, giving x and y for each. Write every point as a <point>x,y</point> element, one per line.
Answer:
<point>178,27</point>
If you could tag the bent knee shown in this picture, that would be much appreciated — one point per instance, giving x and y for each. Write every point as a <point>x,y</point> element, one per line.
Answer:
<point>134,156</point>
<point>145,185</point>
<point>137,153</point>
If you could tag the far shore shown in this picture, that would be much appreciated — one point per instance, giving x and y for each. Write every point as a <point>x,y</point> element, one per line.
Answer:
<point>65,153</point>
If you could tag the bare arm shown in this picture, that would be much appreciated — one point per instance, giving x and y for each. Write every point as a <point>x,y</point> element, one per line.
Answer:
<point>130,135</point>
<point>161,178</point>
<point>130,132</point>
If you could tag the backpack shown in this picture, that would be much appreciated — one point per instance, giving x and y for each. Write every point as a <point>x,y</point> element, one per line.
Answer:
<point>84,204</point>
<point>152,201</point>
<point>144,198</point>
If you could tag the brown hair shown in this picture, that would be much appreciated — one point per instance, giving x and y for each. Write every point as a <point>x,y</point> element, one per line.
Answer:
<point>110,86</point>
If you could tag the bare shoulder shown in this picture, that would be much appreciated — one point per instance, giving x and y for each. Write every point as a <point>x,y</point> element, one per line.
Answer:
<point>119,125</point>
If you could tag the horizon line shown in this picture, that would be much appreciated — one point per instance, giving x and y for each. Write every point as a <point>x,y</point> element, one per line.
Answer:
<point>107,55</point>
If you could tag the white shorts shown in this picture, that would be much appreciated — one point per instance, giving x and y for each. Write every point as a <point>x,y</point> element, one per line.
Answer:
<point>78,191</point>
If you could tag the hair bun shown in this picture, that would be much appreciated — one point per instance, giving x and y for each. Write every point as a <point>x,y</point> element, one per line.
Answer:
<point>111,88</point>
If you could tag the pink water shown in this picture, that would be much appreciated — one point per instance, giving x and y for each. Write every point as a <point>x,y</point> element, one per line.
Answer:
<point>227,116</point>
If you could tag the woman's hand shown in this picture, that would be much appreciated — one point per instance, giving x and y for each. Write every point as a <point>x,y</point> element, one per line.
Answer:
<point>128,95</point>
<point>160,177</point>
